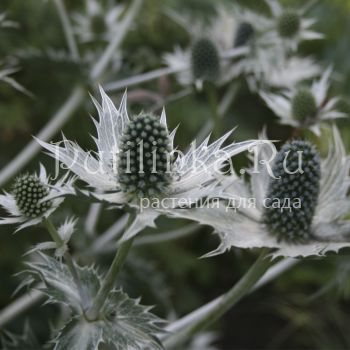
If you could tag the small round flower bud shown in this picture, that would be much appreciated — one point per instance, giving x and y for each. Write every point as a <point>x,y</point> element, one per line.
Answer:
<point>144,163</point>
<point>98,24</point>
<point>244,33</point>
<point>304,105</point>
<point>288,24</point>
<point>292,196</point>
<point>205,60</point>
<point>28,190</point>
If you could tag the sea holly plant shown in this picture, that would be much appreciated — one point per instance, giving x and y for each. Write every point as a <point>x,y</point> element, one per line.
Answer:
<point>135,164</point>
<point>304,106</point>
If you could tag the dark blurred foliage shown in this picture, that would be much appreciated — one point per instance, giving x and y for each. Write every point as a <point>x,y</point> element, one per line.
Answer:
<point>306,308</point>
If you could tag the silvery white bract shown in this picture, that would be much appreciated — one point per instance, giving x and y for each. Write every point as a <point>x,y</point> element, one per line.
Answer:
<point>65,231</point>
<point>316,101</point>
<point>97,23</point>
<point>289,26</point>
<point>221,32</point>
<point>5,76</point>
<point>62,187</point>
<point>124,323</point>
<point>243,227</point>
<point>194,172</point>
<point>268,67</point>
<point>5,22</point>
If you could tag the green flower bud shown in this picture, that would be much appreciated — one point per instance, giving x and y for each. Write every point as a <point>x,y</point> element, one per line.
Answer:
<point>245,32</point>
<point>288,24</point>
<point>300,189</point>
<point>205,60</point>
<point>28,190</point>
<point>304,105</point>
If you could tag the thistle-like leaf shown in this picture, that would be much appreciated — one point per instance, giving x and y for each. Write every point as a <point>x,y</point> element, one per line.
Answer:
<point>123,324</point>
<point>59,284</point>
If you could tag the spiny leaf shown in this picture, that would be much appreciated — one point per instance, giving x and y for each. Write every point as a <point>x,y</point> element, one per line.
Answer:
<point>59,284</point>
<point>123,324</point>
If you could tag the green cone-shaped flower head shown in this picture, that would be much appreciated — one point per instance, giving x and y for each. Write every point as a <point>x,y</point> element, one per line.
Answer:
<point>28,192</point>
<point>288,24</point>
<point>304,105</point>
<point>300,189</point>
<point>244,33</point>
<point>144,165</point>
<point>205,60</point>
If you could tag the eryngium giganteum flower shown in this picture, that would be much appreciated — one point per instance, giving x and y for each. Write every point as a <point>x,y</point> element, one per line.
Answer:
<point>136,163</point>
<point>305,107</point>
<point>296,213</point>
<point>34,198</point>
<point>289,26</point>
<point>97,22</point>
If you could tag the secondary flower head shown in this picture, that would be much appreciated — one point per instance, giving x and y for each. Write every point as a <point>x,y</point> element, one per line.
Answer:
<point>289,26</point>
<point>34,198</point>
<point>297,206</point>
<point>136,162</point>
<point>97,22</point>
<point>305,106</point>
<point>213,46</point>
<point>293,224</point>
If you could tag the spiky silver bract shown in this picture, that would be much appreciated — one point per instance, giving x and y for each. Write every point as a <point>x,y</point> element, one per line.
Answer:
<point>308,107</point>
<point>244,227</point>
<point>194,172</point>
<point>297,173</point>
<point>34,198</point>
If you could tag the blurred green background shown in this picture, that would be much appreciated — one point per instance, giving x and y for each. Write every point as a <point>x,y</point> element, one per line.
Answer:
<point>307,307</point>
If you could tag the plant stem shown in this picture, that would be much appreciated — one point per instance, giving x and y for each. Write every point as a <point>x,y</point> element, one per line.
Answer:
<point>110,278</point>
<point>67,28</point>
<point>214,106</point>
<point>102,63</point>
<point>234,295</point>
<point>70,264</point>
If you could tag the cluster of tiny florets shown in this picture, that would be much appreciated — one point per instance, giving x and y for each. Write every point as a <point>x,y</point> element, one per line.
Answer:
<point>244,33</point>
<point>205,60</point>
<point>304,105</point>
<point>288,24</point>
<point>28,191</point>
<point>293,222</point>
<point>144,164</point>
